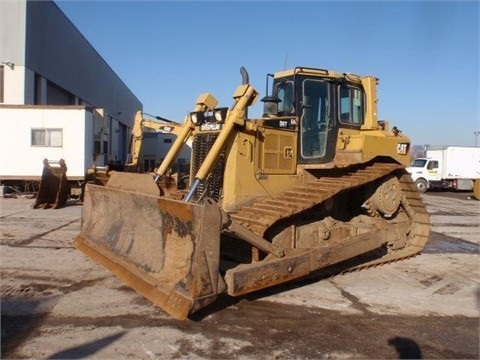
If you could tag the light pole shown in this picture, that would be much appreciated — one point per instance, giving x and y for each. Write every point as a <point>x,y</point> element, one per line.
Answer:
<point>476,133</point>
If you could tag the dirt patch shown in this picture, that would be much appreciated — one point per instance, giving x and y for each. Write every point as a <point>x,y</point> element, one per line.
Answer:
<point>56,303</point>
<point>251,329</point>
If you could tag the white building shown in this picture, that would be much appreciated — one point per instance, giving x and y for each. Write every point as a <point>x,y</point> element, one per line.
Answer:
<point>58,98</point>
<point>154,148</point>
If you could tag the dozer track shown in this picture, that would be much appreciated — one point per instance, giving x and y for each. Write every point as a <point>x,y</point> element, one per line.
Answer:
<point>262,215</point>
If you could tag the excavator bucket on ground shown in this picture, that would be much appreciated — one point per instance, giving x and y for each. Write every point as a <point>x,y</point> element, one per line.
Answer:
<point>54,189</point>
<point>176,263</point>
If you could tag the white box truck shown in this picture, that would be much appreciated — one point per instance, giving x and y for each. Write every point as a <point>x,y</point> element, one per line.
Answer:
<point>447,167</point>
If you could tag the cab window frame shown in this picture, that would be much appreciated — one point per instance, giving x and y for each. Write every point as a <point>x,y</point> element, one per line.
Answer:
<point>356,105</point>
<point>286,86</point>
<point>314,129</point>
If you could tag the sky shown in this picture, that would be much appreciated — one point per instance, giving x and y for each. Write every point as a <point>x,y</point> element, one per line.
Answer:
<point>425,53</point>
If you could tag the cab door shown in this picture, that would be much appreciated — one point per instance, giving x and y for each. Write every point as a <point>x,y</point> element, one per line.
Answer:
<point>433,170</point>
<point>317,128</point>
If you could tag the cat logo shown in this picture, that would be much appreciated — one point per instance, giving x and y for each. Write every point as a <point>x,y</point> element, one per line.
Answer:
<point>402,149</point>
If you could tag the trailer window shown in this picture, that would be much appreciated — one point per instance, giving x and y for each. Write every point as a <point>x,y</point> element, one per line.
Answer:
<point>47,137</point>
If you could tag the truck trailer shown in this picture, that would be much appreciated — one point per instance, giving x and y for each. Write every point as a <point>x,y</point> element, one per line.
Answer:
<point>446,167</point>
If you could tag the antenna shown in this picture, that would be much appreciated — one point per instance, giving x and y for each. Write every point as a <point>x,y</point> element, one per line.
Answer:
<point>285,63</point>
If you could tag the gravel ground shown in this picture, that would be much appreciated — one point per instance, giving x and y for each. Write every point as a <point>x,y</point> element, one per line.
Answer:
<point>58,304</point>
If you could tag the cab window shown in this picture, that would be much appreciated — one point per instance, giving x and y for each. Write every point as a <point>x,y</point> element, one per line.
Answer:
<point>284,92</point>
<point>419,163</point>
<point>352,105</point>
<point>315,118</point>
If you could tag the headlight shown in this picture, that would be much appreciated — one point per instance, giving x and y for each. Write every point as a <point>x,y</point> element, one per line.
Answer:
<point>220,114</point>
<point>197,117</point>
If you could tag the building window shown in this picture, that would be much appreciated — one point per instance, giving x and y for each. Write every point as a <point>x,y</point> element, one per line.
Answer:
<point>47,137</point>
<point>149,165</point>
<point>97,147</point>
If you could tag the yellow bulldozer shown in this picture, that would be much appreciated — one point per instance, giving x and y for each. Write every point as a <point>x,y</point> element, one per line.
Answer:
<point>316,183</point>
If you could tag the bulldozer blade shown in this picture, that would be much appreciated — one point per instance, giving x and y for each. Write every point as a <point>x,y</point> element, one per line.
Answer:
<point>167,250</point>
<point>53,190</point>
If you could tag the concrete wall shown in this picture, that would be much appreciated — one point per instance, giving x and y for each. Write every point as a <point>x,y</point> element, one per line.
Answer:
<point>12,31</point>
<point>17,92</point>
<point>57,51</point>
<point>41,41</point>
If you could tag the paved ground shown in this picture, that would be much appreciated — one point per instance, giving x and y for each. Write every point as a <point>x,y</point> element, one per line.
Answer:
<point>56,303</point>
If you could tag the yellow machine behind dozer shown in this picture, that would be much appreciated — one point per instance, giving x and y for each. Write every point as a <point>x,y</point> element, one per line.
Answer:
<point>316,184</point>
<point>54,190</point>
<point>99,175</point>
<point>476,189</point>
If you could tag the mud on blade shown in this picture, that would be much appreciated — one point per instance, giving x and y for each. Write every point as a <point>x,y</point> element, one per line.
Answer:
<point>165,249</point>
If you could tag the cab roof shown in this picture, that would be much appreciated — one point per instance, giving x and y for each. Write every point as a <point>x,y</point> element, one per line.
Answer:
<point>318,72</point>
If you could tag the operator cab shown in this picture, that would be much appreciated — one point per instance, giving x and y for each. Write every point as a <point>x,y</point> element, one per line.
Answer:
<point>323,102</point>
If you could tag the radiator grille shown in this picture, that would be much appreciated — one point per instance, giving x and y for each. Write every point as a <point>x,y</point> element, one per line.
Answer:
<point>212,187</point>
